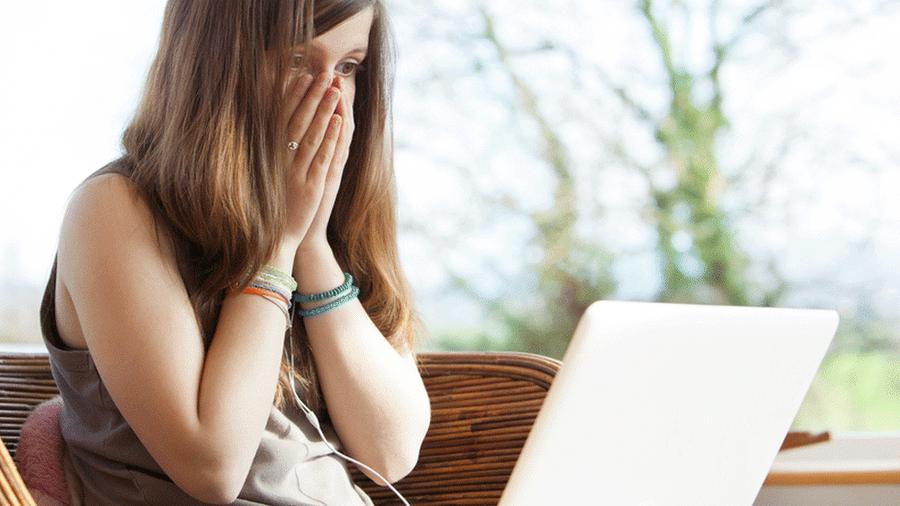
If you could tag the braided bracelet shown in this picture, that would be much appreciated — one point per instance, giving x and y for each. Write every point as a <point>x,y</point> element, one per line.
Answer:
<point>288,283</point>
<point>348,282</point>
<point>307,313</point>
<point>274,274</point>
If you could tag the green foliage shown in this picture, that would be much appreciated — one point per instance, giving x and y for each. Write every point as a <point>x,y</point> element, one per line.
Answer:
<point>853,391</point>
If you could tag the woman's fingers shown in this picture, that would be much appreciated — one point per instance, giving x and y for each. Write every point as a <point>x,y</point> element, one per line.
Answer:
<point>342,149</point>
<point>306,102</point>
<point>295,93</point>
<point>312,138</point>
<point>318,169</point>
<point>317,129</point>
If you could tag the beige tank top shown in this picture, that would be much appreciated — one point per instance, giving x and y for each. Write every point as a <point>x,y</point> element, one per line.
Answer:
<point>107,464</point>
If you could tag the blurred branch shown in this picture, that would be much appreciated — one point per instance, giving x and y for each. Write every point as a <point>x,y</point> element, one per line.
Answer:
<point>619,91</point>
<point>441,245</point>
<point>723,49</point>
<point>555,225</point>
<point>544,46</point>
<point>770,169</point>
<point>495,198</point>
<point>553,146</point>
<point>662,42</point>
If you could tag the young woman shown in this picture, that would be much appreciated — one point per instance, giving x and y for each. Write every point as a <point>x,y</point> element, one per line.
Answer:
<point>260,156</point>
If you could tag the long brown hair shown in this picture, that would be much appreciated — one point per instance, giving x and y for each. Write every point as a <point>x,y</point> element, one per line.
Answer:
<point>206,150</point>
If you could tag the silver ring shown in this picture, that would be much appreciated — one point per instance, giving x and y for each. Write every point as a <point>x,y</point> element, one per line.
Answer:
<point>293,146</point>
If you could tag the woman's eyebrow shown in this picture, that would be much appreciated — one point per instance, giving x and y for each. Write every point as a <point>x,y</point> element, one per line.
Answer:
<point>361,49</point>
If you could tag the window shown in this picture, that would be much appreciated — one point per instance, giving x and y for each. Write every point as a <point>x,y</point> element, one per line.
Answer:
<point>589,150</point>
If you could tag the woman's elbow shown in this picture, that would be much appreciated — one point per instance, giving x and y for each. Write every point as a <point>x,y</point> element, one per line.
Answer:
<point>403,462</point>
<point>215,485</point>
<point>216,494</point>
<point>393,470</point>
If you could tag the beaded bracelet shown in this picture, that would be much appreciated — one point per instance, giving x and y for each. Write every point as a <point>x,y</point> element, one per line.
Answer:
<point>348,282</point>
<point>268,278</point>
<point>307,313</point>
<point>271,273</point>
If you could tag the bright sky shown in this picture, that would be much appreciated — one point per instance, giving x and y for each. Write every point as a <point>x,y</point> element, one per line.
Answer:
<point>72,74</point>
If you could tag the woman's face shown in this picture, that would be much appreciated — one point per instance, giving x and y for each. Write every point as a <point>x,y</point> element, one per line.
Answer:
<point>339,51</point>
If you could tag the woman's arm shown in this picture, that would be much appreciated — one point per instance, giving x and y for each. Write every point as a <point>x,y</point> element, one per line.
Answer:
<point>375,396</point>
<point>201,416</point>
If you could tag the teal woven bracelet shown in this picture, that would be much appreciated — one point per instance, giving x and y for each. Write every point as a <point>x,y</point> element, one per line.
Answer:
<point>348,282</point>
<point>307,313</point>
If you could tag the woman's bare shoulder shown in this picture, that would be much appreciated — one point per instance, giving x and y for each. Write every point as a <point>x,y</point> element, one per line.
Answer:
<point>108,207</point>
<point>107,215</point>
<point>106,193</point>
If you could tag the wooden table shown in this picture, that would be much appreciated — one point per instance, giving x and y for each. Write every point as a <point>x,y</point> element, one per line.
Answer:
<point>851,468</point>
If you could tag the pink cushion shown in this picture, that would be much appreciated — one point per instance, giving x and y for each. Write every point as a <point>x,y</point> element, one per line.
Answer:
<point>39,455</point>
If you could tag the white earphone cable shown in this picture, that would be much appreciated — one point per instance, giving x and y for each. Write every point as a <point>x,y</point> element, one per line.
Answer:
<point>315,423</point>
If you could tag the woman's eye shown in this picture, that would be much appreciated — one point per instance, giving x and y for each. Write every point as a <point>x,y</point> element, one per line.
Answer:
<point>349,67</point>
<point>345,68</point>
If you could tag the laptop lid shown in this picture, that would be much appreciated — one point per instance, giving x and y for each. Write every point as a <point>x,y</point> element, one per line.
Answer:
<point>670,404</point>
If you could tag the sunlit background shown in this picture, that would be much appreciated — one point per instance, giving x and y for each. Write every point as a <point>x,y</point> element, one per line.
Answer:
<point>552,153</point>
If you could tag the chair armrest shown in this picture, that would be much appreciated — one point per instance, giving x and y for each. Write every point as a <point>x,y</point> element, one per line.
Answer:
<point>12,489</point>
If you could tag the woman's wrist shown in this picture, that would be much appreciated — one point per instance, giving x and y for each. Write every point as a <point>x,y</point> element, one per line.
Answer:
<point>283,257</point>
<point>316,269</point>
<point>311,252</point>
<point>314,247</point>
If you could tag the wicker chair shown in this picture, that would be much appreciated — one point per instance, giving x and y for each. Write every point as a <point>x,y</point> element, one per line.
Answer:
<point>483,405</point>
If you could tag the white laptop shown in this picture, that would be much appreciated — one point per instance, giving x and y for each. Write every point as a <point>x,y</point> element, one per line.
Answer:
<point>670,404</point>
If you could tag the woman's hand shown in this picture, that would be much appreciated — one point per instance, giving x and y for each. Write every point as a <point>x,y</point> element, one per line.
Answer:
<point>315,236</point>
<point>315,127</point>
